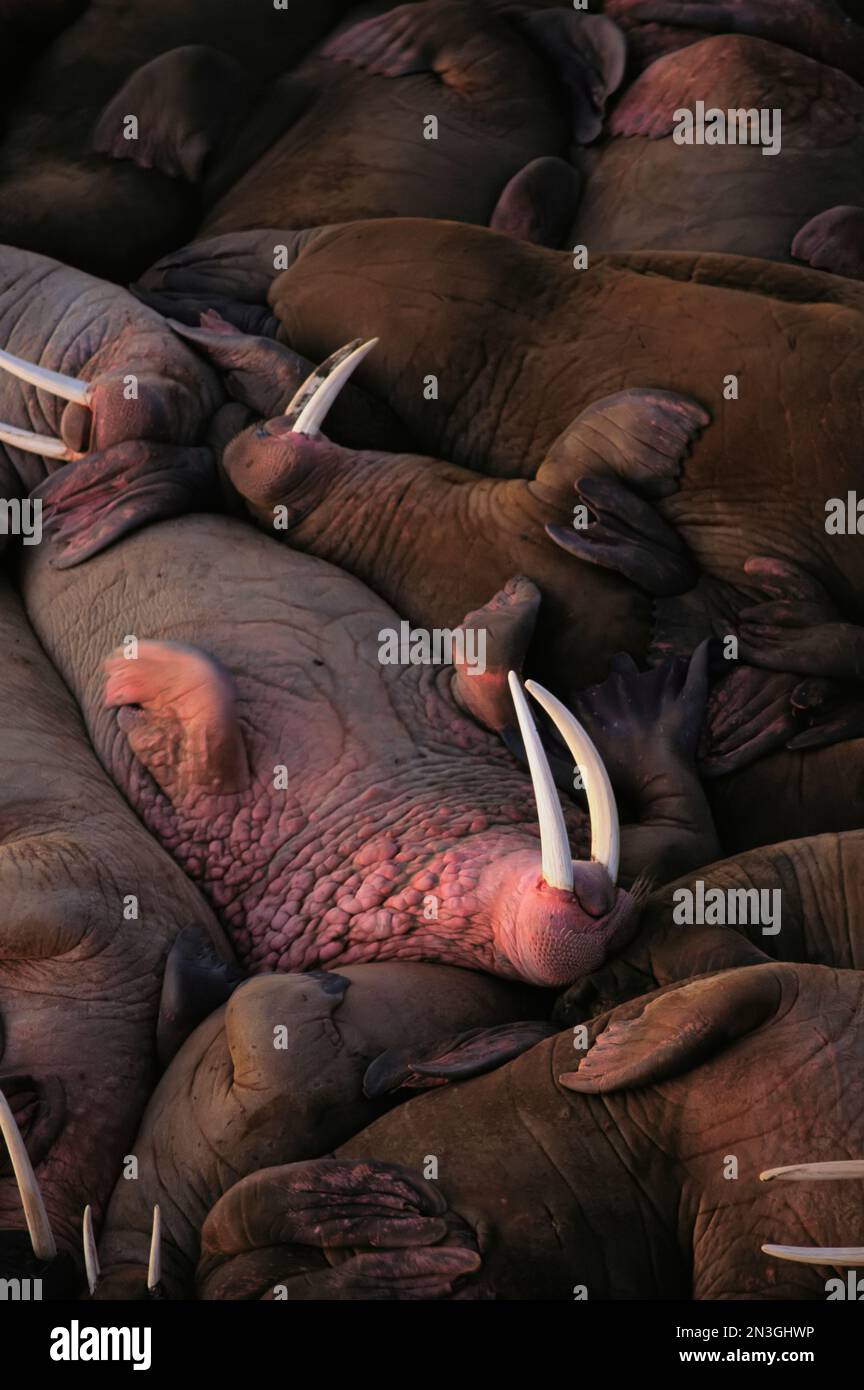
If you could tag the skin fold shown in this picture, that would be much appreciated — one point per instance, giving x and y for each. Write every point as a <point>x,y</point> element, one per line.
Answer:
<point>506,91</point>
<point>79,961</point>
<point>625,1145</point>
<point>61,199</point>
<point>645,192</point>
<point>336,810</point>
<point>248,1103</point>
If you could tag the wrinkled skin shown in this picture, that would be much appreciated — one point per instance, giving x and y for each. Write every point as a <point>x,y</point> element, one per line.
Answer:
<point>625,1147</point>
<point>246,1104</point>
<point>79,974</point>
<point>645,192</point>
<point>345,136</point>
<point>318,796</point>
<point>59,198</point>
<point>288,1119</point>
<point>507,408</point>
<point>60,319</point>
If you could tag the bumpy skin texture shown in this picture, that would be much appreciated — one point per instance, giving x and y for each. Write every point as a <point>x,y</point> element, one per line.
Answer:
<point>79,974</point>
<point>58,197</point>
<point>624,1147</point>
<point>645,192</point>
<point>317,795</point>
<point>233,1101</point>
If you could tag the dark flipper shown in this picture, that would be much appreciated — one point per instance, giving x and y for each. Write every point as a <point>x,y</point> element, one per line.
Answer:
<point>91,503</point>
<point>540,203</point>
<point>647,726</point>
<point>284,1233</point>
<point>197,980</point>
<point>630,537</point>
<point>453,1059</point>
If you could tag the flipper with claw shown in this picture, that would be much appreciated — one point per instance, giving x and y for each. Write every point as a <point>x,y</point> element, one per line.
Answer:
<point>177,710</point>
<point>621,450</point>
<point>453,1059</point>
<point>648,725</point>
<point>335,1228</point>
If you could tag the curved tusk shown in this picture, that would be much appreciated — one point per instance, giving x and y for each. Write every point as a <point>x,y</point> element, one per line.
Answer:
<point>55,383</point>
<point>154,1266</point>
<point>813,1255</point>
<point>554,842</point>
<point>816,1172</point>
<point>605,832</point>
<point>308,407</point>
<point>38,1225</point>
<point>91,1259</point>
<point>32,443</point>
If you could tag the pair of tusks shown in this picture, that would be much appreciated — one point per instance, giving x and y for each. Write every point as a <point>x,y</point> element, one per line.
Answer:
<point>602,810</point>
<point>306,412</point>
<point>817,1172</point>
<point>56,384</point>
<point>154,1264</point>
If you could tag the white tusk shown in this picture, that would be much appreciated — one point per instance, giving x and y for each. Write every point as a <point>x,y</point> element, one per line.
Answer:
<point>816,1172</point>
<point>35,1214</point>
<point>605,834</point>
<point>36,443</point>
<point>813,1255</point>
<point>318,392</point>
<point>554,842</point>
<point>55,383</point>
<point>154,1267</point>
<point>91,1259</point>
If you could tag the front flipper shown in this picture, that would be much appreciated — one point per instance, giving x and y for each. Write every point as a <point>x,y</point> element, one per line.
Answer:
<point>335,1229</point>
<point>797,627</point>
<point>540,203</point>
<point>497,637</point>
<point>647,727</point>
<point>752,713</point>
<point>90,503</point>
<point>627,535</point>
<point>833,241</point>
<point>177,709</point>
<point>185,105</point>
<point>232,273</point>
<point>453,1059</point>
<point>640,437</point>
